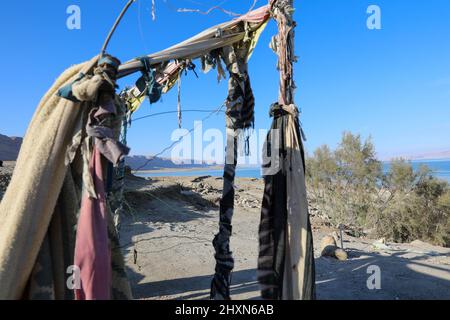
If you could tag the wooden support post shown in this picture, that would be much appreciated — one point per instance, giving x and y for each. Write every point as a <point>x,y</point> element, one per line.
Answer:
<point>283,13</point>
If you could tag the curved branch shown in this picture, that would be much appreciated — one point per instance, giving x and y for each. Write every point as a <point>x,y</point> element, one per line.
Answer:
<point>125,9</point>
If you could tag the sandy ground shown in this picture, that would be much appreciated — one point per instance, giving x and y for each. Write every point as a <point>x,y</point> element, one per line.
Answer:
<point>167,245</point>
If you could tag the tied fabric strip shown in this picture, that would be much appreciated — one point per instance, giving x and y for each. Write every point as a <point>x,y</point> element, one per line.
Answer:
<point>220,285</point>
<point>105,141</point>
<point>92,250</point>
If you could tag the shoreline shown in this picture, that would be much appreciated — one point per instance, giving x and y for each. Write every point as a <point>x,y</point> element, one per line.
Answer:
<point>174,170</point>
<point>439,173</point>
<point>162,170</point>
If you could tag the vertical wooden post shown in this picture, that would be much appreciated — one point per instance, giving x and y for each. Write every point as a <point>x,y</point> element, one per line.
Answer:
<point>283,13</point>
<point>297,280</point>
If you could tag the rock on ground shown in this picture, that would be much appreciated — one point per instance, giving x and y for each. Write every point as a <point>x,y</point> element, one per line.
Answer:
<point>5,176</point>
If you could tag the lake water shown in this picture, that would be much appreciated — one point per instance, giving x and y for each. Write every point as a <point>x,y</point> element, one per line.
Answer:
<point>440,168</point>
<point>240,172</point>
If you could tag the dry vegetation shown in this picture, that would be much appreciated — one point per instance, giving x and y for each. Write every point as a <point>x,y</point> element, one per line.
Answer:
<point>348,186</point>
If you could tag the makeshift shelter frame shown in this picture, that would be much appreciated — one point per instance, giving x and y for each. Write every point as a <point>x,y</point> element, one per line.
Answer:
<point>282,12</point>
<point>92,139</point>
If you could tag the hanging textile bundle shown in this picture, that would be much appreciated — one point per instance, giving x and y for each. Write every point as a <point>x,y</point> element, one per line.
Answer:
<point>52,173</point>
<point>239,116</point>
<point>240,102</point>
<point>286,257</point>
<point>240,105</point>
<point>286,253</point>
<point>247,27</point>
<point>93,250</point>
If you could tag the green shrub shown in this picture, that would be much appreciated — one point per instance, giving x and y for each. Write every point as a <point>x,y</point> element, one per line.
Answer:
<point>349,187</point>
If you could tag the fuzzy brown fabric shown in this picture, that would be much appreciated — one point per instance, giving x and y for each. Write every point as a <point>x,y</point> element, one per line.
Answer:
<point>28,205</point>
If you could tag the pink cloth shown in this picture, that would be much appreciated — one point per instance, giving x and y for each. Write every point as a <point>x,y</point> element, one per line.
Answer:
<point>257,15</point>
<point>92,250</point>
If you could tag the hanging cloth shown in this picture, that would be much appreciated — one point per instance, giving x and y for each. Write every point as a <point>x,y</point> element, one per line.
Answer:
<point>92,251</point>
<point>43,198</point>
<point>240,102</point>
<point>286,258</point>
<point>220,285</point>
<point>239,116</point>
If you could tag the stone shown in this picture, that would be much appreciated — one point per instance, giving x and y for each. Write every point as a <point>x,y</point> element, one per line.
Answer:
<point>328,246</point>
<point>340,254</point>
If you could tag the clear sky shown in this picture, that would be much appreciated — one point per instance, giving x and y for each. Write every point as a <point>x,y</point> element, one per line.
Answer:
<point>392,84</point>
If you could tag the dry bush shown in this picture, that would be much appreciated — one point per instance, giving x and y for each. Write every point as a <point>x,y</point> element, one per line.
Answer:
<point>348,186</point>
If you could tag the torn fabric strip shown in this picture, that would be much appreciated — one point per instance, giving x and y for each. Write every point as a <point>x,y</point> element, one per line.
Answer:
<point>92,251</point>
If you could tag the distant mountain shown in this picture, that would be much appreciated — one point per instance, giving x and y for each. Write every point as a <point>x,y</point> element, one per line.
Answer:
<point>433,156</point>
<point>148,163</point>
<point>9,147</point>
<point>437,155</point>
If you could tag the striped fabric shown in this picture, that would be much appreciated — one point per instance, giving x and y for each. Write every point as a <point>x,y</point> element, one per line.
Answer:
<point>239,115</point>
<point>286,261</point>
<point>220,286</point>
<point>240,103</point>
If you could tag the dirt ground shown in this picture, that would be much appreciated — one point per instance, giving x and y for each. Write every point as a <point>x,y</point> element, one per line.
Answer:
<point>169,255</point>
<point>5,176</point>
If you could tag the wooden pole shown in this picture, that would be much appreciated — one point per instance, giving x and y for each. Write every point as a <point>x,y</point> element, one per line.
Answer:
<point>283,11</point>
<point>125,9</point>
<point>299,277</point>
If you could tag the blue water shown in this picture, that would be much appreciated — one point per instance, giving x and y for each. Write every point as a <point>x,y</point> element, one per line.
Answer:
<point>241,173</point>
<point>440,168</point>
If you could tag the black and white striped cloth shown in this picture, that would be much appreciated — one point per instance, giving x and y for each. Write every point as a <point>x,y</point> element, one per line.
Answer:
<point>286,261</point>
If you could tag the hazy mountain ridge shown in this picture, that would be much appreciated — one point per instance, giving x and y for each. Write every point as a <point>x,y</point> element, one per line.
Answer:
<point>9,147</point>
<point>148,163</point>
<point>436,155</point>
<point>433,156</point>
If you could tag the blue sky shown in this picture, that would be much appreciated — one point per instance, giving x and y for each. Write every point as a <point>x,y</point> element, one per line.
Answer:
<point>392,84</point>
